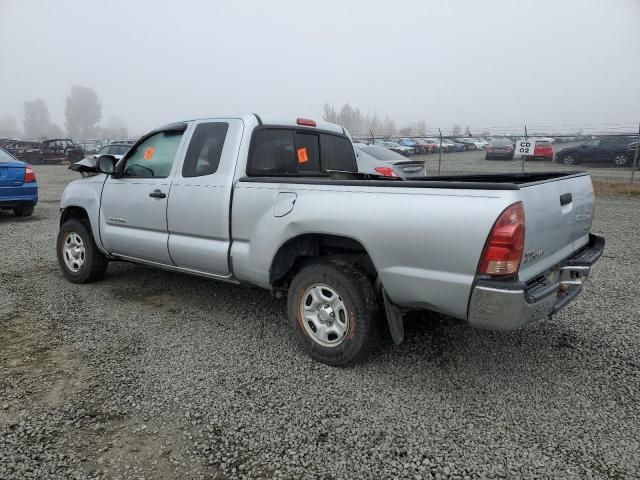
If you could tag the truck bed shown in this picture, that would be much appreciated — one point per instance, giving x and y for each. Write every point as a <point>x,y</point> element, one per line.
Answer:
<point>499,181</point>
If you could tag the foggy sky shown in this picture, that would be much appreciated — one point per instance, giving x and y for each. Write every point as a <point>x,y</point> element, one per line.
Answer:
<point>479,63</point>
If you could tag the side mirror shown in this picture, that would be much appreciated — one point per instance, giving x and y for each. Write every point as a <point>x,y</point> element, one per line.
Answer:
<point>107,164</point>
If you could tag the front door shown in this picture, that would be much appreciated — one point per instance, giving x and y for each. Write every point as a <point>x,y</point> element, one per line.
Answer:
<point>133,211</point>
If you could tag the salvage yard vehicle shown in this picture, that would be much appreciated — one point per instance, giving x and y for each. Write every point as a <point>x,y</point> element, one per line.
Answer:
<point>499,148</point>
<point>612,150</point>
<point>278,203</point>
<point>542,151</point>
<point>18,186</point>
<point>377,160</point>
<point>60,150</point>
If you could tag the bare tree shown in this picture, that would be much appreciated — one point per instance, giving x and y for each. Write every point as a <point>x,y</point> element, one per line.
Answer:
<point>115,128</point>
<point>9,127</point>
<point>36,119</point>
<point>467,132</point>
<point>54,131</point>
<point>83,112</point>
<point>420,128</point>
<point>456,130</point>
<point>329,114</point>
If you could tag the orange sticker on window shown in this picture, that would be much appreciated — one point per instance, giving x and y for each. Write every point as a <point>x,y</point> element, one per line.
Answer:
<point>302,155</point>
<point>148,153</point>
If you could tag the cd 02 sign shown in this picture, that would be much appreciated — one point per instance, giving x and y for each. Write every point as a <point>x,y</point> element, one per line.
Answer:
<point>525,147</point>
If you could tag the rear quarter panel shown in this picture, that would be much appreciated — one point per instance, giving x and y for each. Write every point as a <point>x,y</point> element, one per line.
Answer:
<point>424,243</point>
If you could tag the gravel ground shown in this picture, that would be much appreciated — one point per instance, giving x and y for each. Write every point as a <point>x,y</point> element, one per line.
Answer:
<point>150,374</point>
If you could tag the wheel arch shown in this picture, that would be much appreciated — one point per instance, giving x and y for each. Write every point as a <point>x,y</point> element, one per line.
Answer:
<point>74,212</point>
<point>298,251</point>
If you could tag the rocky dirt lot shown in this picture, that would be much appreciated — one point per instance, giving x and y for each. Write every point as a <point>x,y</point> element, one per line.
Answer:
<point>149,374</point>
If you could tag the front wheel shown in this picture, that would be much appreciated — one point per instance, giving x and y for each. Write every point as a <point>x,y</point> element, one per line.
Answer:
<point>569,159</point>
<point>78,255</point>
<point>333,309</point>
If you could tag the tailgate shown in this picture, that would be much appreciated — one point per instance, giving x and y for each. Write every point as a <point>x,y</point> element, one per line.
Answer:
<point>11,173</point>
<point>558,216</point>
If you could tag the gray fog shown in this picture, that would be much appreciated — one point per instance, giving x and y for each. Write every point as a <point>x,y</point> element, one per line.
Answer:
<point>480,63</point>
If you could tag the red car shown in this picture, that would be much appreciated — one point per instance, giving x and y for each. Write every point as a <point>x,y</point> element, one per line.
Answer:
<point>543,151</point>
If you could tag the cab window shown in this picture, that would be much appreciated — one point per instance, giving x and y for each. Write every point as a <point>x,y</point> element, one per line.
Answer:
<point>153,157</point>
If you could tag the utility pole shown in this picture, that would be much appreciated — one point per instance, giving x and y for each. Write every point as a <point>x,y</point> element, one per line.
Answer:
<point>635,158</point>
<point>440,152</point>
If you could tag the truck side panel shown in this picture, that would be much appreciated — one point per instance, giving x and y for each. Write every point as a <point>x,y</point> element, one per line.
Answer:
<point>424,243</point>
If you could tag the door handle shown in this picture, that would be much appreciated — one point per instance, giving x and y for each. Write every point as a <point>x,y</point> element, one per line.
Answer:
<point>158,194</point>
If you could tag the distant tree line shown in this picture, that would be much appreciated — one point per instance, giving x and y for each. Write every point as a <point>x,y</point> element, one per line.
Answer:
<point>359,123</point>
<point>83,113</point>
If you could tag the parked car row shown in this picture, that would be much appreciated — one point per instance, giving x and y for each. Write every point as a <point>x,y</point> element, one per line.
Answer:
<point>48,151</point>
<point>408,146</point>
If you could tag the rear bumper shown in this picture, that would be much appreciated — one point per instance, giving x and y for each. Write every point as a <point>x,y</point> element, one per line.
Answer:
<point>499,305</point>
<point>26,194</point>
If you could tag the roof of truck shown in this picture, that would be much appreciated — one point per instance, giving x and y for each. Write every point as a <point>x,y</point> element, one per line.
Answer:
<point>272,119</point>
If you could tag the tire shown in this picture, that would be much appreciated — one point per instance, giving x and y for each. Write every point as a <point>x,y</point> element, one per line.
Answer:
<point>80,260</point>
<point>621,160</point>
<point>351,317</point>
<point>569,159</point>
<point>487,157</point>
<point>23,211</point>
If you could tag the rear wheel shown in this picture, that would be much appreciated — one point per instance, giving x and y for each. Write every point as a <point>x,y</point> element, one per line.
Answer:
<point>621,160</point>
<point>78,255</point>
<point>569,159</point>
<point>333,309</point>
<point>23,211</point>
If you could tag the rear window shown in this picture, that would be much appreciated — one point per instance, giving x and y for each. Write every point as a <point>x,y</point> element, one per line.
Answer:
<point>5,157</point>
<point>500,141</point>
<point>382,153</point>
<point>276,151</point>
<point>337,154</point>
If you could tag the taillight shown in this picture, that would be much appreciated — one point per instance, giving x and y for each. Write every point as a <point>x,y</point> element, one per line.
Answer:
<point>386,171</point>
<point>29,175</point>
<point>503,251</point>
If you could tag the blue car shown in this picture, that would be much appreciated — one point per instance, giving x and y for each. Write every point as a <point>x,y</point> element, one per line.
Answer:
<point>18,186</point>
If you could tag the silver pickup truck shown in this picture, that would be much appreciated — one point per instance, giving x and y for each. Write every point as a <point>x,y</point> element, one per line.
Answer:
<point>278,203</point>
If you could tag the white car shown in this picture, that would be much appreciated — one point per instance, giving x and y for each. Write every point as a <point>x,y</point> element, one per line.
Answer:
<point>381,161</point>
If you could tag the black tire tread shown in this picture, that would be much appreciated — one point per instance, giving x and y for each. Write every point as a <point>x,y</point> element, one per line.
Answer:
<point>98,262</point>
<point>367,308</point>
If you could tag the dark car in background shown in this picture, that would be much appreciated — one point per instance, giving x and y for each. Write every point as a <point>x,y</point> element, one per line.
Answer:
<point>611,150</point>
<point>453,146</point>
<point>499,148</point>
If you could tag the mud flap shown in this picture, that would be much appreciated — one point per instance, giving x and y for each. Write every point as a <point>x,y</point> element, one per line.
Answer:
<point>394,319</point>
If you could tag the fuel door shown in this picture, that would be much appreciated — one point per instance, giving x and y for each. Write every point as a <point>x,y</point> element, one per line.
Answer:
<point>284,203</point>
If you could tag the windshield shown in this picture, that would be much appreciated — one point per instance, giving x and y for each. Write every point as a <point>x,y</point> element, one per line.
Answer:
<point>381,153</point>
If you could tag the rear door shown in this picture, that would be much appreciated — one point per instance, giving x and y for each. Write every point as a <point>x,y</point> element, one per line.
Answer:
<point>198,211</point>
<point>558,216</point>
<point>133,209</point>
